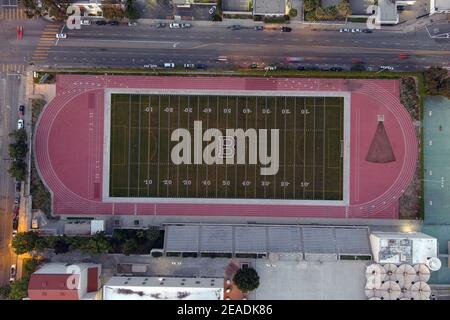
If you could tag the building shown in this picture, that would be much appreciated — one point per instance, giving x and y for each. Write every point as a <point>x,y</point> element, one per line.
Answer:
<point>387,12</point>
<point>162,288</point>
<point>439,6</point>
<point>410,248</point>
<point>269,8</point>
<point>59,281</point>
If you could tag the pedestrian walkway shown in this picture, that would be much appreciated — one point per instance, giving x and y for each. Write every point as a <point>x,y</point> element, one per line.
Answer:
<point>13,14</point>
<point>12,68</point>
<point>46,42</point>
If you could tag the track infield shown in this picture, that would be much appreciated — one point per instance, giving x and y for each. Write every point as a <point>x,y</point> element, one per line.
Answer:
<point>310,140</point>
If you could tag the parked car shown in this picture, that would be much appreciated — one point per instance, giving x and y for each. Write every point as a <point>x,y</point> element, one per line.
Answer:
<point>132,24</point>
<point>235,27</point>
<point>301,68</point>
<point>14,233</point>
<point>15,212</point>
<point>344,30</point>
<point>113,23</point>
<point>367,30</point>
<point>174,25</point>
<point>259,28</point>
<point>61,36</point>
<point>286,29</point>
<point>212,10</point>
<point>153,66</point>
<point>336,69</point>
<point>270,68</point>
<point>21,110</point>
<point>201,66</point>
<point>189,66</point>
<point>19,124</point>
<point>169,65</point>
<point>100,22</point>
<point>17,199</point>
<point>160,25</point>
<point>390,68</point>
<point>18,186</point>
<point>85,22</point>
<point>254,65</point>
<point>12,273</point>
<point>186,25</point>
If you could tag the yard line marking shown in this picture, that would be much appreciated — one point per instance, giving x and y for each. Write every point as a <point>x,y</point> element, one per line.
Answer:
<point>217,125</point>
<point>168,143</point>
<point>323,143</point>
<point>129,141</point>
<point>284,151</point>
<point>159,141</point>
<point>295,141</point>
<point>274,126</point>
<point>235,166</point>
<point>245,166</point>
<point>304,145</point>
<point>139,144</point>
<point>207,125</point>
<point>196,166</point>
<point>226,165</point>
<point>178,126</point>
<point>188,122</point>
<point>256,127</point>
<point>314,154</point>
<point>148,143</point>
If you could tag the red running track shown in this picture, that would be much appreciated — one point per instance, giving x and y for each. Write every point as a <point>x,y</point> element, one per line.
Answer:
<point>69,146</point>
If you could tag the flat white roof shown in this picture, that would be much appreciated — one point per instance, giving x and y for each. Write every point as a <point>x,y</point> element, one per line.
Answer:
<point>163,288</point>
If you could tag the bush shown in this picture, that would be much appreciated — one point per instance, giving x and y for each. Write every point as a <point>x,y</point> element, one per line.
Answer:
<point>19,289</point>
<point>246,279</point>
<point>293,12</point>
<point>437,81</point>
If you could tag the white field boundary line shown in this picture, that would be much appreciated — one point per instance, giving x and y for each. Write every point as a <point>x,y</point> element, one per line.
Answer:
<point>106,171</point>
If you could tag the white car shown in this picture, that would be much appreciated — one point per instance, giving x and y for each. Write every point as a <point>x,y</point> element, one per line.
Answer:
<point>270,68</point>
<point>212,9</point>
<point>189,66</point>
<point>85,22</point>
<point>169,65</point>
<point>344,30</point>
<point>153,66</point>
<point>387,68</point>
<point>186,25</point>
<point>174,25</point>
<point>61,36</point>
<point>132,24</point>
<point>12,273</point>
<point>19,124</point>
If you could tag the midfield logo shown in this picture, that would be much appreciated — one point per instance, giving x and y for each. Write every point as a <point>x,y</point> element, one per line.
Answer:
<point>226,148</point>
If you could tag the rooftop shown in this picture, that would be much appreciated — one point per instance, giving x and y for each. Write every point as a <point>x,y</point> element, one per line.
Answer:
<point>268,7</point>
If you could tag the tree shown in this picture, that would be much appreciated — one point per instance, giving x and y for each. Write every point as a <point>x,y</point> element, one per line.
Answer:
<point>310,5</point>
<point>435,79</point>
<point>19,289</point>
<point>130,246</point>
<point>153,234</point>
<point>246,279</point>
<point>61,246</point>
<point>24,242</point>
<point>130,11</point>
<point>30,266</point>
<point>97,244</point>
<point>293,12</point>
<point>344,9</point>
<point>18,169</point>
<point>5,291</point>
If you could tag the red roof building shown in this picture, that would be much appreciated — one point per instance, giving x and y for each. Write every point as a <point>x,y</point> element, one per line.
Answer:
<point>59,281</point>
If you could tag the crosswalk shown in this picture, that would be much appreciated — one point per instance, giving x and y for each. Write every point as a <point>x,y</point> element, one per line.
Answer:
<point>12,68</point>
<point>13,14</point>
<point>46,41</point>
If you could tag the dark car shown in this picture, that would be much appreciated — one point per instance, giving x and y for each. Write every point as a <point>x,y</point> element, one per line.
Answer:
<point>367,30</point>
<point>235,27</point>
<point>201,66</point>
<point>254,65</point>
<point>100,22</point>
<point>160,25</point>
<point>259,28</point>
<point>114,23</point>
<point>286,29</point>
<point>21,111</point>
<point>336,69</point>
<point>18,186</point>
<point>301,68</point>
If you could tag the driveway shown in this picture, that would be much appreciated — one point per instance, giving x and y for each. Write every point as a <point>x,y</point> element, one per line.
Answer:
<point>195,12</point>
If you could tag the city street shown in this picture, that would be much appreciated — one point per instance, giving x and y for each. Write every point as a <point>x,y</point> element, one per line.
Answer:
<point>9,95</point>
<point>123,46</point>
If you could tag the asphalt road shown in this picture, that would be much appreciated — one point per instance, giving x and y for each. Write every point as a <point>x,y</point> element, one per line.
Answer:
<point>9,94</point>
<point>122,46</point>
<point>136,46</point>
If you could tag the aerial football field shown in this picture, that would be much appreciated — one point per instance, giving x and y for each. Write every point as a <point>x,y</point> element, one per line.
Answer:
<point>311,133</point>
